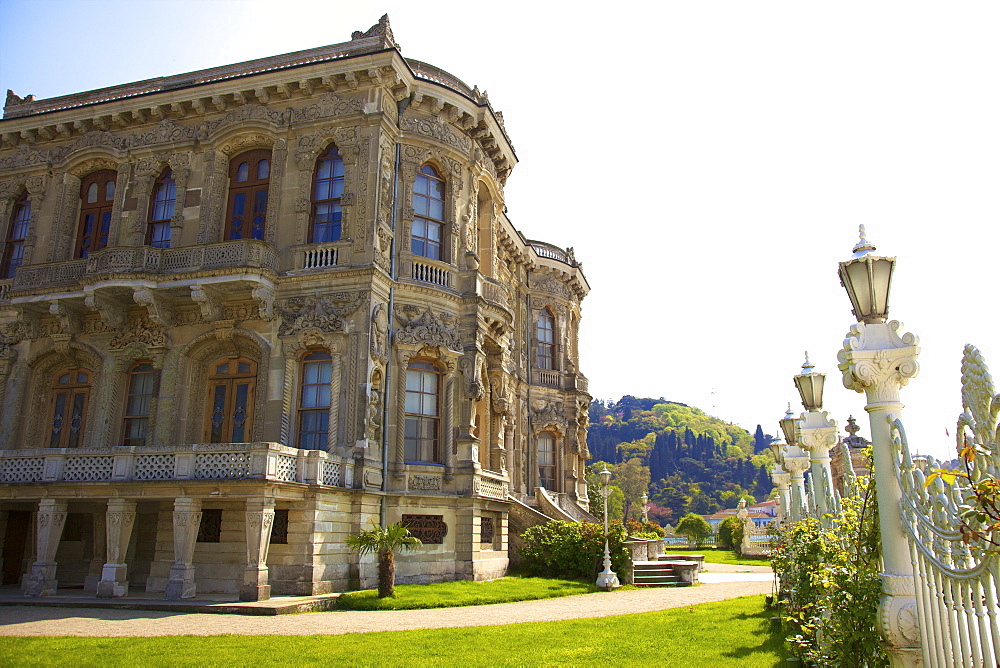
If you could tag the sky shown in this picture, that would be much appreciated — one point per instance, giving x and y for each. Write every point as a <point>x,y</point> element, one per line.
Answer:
<point>709,162</point>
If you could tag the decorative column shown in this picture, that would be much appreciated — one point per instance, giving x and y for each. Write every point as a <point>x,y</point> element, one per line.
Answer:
<point>119,522</point>
<point>187,520</point>
<point>796,463</point>
<point>51,517</point>
<point>817,434</point>
<point>878,361</point>
<point>259,519</point>
<point>781,481</point>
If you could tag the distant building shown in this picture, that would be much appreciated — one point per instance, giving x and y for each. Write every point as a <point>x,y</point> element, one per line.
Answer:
<point>247,311</point>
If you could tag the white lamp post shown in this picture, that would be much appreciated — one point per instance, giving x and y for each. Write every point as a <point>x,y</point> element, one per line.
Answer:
<point>877,360</point>
<point>817,433</point>
<point>645,507</point>
<point>606,579</point>
<point>795,462</point>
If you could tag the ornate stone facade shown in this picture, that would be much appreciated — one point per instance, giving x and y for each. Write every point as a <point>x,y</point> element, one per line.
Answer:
<point>127,369</point>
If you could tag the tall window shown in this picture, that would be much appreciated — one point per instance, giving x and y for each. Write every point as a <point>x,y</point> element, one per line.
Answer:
<point>428,213</point>
<point>137,403</point>
<point>546,461</point>
<point>249,176</point>
<point>97,194</point>
<point>161,211</point>
<point>421,432</point>
<point>17,232</point>
<point>545,332</point>
<point>328,188</point>
<point>231,385</point>
<point>314,401</point>
<point>68,398</point>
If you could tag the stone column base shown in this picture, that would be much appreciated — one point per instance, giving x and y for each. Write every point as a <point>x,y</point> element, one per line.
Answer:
<point>181,583</point>
<point>255,585</point>
<point>41,580</point>
<point>113,583</point>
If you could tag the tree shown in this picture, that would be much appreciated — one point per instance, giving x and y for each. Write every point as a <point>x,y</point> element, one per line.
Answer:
<point>384,542</point>
<point>633,480</point>
<point>695,527</point>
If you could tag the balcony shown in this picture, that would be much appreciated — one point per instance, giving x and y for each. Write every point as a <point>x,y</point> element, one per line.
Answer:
<point>143,260</point>
<point>434,272</point>
<point>559,380</point>
<point>270,462</point>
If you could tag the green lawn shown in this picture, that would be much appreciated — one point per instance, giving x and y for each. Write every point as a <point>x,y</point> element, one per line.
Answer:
<point>737,632</point>
<point>465,592</point>
<point>717,555</point>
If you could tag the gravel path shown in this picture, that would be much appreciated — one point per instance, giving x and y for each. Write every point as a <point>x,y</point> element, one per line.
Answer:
<point>42,621</point>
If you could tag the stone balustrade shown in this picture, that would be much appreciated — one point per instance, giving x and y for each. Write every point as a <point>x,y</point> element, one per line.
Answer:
<point>201,461</point>
<point>491,485</point>
<point>145,260</point>
<point>435,273</point>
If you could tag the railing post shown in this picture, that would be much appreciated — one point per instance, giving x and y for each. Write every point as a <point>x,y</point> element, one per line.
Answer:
<point>878,361</point>
<point>817,434</point>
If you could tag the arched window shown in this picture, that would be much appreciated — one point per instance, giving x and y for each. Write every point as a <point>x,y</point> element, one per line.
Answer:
<point>68,398</point>
<point>97,195</point>
<point>161,211</point>
<point>314,401</point>
<point>546,448</point>
<point>421,438</point>
<point>17,232</point>
<point>231,385</point>
<point>137,403</point>
<point>249,176</point>
<point>545,332</point>
<point>428,214</point>
<point>328,188</point>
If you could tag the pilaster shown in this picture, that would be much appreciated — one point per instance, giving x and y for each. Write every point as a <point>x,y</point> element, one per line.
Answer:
<point>187,520</point>
<point>120,518</point>
<point>259,520</point>
<point>50,519</point>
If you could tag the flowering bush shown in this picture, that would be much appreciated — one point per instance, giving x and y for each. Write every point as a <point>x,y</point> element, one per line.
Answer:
<point>572,550</point>
<point>830,584</point>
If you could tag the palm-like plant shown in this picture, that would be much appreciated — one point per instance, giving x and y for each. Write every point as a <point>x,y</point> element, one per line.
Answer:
<point>384,542</point>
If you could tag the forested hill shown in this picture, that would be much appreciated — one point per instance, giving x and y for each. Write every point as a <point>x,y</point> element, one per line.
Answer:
<point>697,463</point>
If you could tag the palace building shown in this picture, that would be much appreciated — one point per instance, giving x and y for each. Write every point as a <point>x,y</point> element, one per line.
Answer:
<point>248,311</point>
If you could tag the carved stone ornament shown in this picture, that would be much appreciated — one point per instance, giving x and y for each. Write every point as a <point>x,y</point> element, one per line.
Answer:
<point>552,286</point>
<point>877,360</point>
<point>427,329</point>
<point>142,331</point>
<point>426,483</point>
<point>546,412</point>
<point>380,334</point>
<point>380,29</point>
<point>328,105</point>
<point>326,313</point>
<point>435,129</point>
<point>242,114</point>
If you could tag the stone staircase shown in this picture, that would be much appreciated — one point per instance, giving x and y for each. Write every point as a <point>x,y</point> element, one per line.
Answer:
<point>655,574</point>
<point>666,571</point>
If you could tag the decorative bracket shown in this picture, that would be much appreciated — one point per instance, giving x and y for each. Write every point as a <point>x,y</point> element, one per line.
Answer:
<point>209,300</point>
<point>159,310</point>
<point>264,294</point>
<point>70,317</point>
<point>112,311</point>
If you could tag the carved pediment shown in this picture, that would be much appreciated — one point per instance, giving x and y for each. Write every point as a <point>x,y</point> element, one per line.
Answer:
<point>427,329</point>
<point>325,313</point>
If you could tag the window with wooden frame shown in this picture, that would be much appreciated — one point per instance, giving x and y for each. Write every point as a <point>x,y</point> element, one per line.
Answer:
<point>427,233</point>
<point>545,332</point>
<point>422,429</point>
<point>17,232</point>
<point>325,222</point>
<point>69,396</point>
<point>138,401</point>
<point>249,178</point>
<point>161,211</point>
<point>97,199</point>
<point>545,445</point>
<point>231,390</point>
<point>314,401</point>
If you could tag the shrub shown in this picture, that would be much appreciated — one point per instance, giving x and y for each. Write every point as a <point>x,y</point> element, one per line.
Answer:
<point>644,529</point>
<point>831,586</point>
<point>731,534</point>
<point>572,550</point>
<point>695,527</point>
